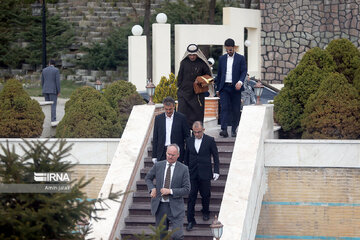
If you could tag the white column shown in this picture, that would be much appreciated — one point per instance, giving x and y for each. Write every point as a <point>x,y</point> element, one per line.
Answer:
<point>254,52</point>
<point>137,62</point>
<point>161,50</point>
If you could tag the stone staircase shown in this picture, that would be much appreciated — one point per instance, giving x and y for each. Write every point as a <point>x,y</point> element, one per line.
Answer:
<point>140,216</point>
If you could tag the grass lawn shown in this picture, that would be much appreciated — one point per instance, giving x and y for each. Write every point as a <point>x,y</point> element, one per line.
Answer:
<point>67,87</point>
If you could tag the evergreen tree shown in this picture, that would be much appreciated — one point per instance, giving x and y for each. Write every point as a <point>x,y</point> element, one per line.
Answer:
<point>88,115</point>
<point>42,215</point>
<point>333,112</point>
<point>20,116</point>
<point>301,82</point>
<point>346,57</point>
<point>167,87</point>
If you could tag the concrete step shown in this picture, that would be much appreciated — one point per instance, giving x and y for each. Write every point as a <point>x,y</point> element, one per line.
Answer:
<point>224,151</point>
<point>224,162</point>
<point>216,186</point>
<point>196,234</point>
<point>145,209</point>
<point>223,173</point>
<point>144,197</point>
<point>144,221</point>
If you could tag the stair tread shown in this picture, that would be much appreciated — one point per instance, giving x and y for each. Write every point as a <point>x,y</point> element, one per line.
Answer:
<point>195,232</point>
<point>146,206</point>
<point>216,183</point>
<point>144,193</point>
<point>151,219</point>
<point>220,148</point>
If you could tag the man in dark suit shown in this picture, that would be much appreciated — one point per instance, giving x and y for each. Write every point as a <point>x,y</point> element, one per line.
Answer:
<point>170,127</point>
<point>167,195</point>
<point>199,150</point>
<point>50,83</point>
<point>229,82</point>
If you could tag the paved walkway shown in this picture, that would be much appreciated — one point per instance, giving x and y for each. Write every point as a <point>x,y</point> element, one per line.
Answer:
<point>60,107</point>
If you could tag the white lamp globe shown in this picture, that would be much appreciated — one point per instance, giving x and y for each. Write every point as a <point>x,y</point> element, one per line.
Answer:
<point>137,30</point>
<point>247,43</point>
<point>161,18</point>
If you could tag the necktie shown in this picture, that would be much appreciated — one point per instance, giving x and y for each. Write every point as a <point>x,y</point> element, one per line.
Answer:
<point>167,180</point>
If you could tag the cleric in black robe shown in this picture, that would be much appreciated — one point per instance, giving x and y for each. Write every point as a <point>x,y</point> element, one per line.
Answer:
<point>194,64</point>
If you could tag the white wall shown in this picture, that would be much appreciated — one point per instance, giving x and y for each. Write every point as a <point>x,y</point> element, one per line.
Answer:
<point>84,150</point>
<point>312,153</point>
<point>235,20</point>
<point>245,184</point>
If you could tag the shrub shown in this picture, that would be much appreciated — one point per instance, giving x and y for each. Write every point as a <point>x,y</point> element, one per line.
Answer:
<point>20,116</point>
<point>333,112</point>
<point>346,57</point>
<point>301,82</point>
<point>166,88</point>
<point>125,106</point>
<point>356,81</point>
<point>89,115</point>
<point>117,91</point>
<point>48,215</point>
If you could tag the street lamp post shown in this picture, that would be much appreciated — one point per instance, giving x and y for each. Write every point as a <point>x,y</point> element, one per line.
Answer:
<point>43,34</point>
<point>258,91</point>
<point>150,89</point>
<point>216,228</point>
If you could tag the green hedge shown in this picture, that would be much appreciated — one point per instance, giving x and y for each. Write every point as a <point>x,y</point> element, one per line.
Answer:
<point>88,115</point>
<point>301,82</point>
<point>20,116</point>
<point>333,112</point>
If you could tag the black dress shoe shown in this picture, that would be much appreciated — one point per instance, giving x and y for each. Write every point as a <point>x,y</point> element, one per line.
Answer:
<point>224,133</point>
<point>206,217</point>
<point>233,134</point>
<point>190,226</point>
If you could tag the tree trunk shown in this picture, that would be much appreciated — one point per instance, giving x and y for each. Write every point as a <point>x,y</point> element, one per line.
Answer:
<point>148,37</point>
<point>212,6</point>
<point>135,12</point>
<point>247,3</point>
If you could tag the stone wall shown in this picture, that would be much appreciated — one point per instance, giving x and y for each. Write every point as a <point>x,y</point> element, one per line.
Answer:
<point>291,27</point>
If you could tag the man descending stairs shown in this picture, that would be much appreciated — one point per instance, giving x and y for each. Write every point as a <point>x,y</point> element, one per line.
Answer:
<point>140,217</point>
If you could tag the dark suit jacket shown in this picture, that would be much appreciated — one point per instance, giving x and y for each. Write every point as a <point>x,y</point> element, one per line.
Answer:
<point>50,80</point>
<point>180,185</point>
<point>200,163</point>
<point>179,132</point>
<point>239,71</point>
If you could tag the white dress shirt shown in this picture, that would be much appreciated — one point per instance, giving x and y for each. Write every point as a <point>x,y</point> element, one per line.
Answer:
<point>169,122</point>
<point>229,66</point>
<point>198,144</point>
<point>172,173</point>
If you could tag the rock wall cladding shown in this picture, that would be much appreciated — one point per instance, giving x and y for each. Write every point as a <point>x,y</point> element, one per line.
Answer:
<point>291,27</point>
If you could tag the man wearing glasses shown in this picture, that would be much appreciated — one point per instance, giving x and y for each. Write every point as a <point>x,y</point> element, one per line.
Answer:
<point>199,150</point>
<point>229,83</point>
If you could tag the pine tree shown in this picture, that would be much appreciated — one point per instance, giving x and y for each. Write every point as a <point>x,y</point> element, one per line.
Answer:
<point>166,88</point>
<point>43,215</point>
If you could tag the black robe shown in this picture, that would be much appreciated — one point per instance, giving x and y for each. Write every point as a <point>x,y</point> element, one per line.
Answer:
<point>191,104</point>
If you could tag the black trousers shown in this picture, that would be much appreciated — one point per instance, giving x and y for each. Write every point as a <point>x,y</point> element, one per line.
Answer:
<point>202,186</point>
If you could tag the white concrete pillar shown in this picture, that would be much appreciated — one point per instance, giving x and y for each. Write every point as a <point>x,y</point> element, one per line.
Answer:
<point>137,59</point>
<point>254,52</point>
<point>161,49</point>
